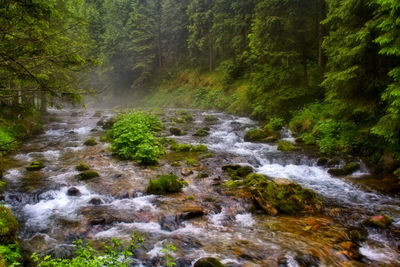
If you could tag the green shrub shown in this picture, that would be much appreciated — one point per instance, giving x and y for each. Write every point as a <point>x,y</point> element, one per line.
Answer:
<point>133,137</point>
<point>276,123</point>
<point>11,255</point>
<point>8,226</point>
<point>164,184</point>
<point>7,139</point>
<point>307,118</point>
<point>116,254</point>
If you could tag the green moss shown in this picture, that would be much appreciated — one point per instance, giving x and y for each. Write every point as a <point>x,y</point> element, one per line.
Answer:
<point>35,166</point>
<point>201,132</point>
<point>8,226</point>
<point>188,148</point>
<point>255,135</point>
<point>208,155</point>
<point>191,198</point>
<point>82,167</point>
<point>192,162</point>
<point>208,262</point>
<point>86,175</point>
<point>164,184</point>
<point>176,131</point>
<point>351,167</point>
<point>209,199</point>
<point>175,164</point>
<point>237,172</point>
<point>97,114</point>
<point>199,148</point>
<point>279,196</point>
<point>104,139</point>
<point>379,221</point>
<point>202,175</point>
<point>284,145</point>
<point>90,142</point>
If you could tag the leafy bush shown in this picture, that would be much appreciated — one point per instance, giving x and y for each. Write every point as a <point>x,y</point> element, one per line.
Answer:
<point>117,254</point>
<point>133,137</point>
<point>11,254</point>
<point>276,123</point>
<point>7,139</point>
<point>307,118</point>
<point>164,184</point>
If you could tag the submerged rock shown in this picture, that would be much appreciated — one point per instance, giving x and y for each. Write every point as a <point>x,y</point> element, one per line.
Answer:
<point>96,201</point>
<point>378,221</point>
<point>346,170</point>
<point>170,222</point>
<point>322,161</point>
<point>82,167</point>
<point>208,262</point>
<point>186,172</point>
<point>307,261</point>
<point>202,132</point>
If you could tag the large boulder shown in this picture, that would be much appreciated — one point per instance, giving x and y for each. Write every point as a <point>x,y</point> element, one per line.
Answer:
<point>164,184</point>
<point>237,172</point>
<point>281,195</point>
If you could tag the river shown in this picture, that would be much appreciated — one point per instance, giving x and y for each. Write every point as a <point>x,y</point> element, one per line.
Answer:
<point>115,205</point>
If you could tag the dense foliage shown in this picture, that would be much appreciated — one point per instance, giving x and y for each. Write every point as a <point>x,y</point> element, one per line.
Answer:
<point>133,137</point>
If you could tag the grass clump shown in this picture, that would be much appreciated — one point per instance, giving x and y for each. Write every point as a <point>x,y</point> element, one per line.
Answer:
<point>164,184</point>
<point>210,119</point>
<point>192,162</point>
<point>35,166</point>
<point>87,175</point>
<point>188,148</point>
<point>7,139</point>
<point>82,167</point>
<point>133,137</point>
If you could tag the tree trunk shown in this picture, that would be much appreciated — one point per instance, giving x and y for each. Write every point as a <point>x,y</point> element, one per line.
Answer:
<point>43,103</point>
<point>321,31</point>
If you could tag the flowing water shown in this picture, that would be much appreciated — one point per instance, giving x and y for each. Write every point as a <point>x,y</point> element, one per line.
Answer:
<point>115,205</point>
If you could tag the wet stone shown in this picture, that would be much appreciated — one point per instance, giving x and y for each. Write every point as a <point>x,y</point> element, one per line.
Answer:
<point>186,172</point>
<point>95,201</point>
<point>307,261</point>
<point>170,222</point>
<point>208,262</point>
<point>73,192</point>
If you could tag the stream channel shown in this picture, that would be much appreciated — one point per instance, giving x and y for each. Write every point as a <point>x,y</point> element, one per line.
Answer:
<point>232,230</point>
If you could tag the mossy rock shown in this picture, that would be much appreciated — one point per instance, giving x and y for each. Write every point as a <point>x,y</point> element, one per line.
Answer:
<point>87,175</point>
<point>337,172</point>
<point>202,175</point>
<point>255,135</point>
<point>164,184</point>
<point>351,167</point>
<point>284,145</point>
<point>97,114</point>
<point>176,131</point>
<point>90,142</point>
<point>210,119</point>
<point>192,162</point>
<point>322,161</point>
<point>181,147</point>
<point>35,166</point>
<point>108,124</point>
<point>334,161</point>
<point>282,197</point>
<point>199,148</point>
<point>82,167</point>
<point>379,221</point>
<point>201,133</point>
<point>208,262</point>
<point>8,226</point>
<point>237,172</point>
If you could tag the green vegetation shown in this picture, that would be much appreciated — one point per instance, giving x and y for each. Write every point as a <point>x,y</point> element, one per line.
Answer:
<point>87,175</point>
<point>192,162</point>
<point>169,260</point>
<point>237,172</point>
<point>82,167</point>
<point>164,184</point>
<point>208,262</point>
<point>116,254</point>
<point>133,137</point>
<point>35,166</point>
<point>9,249</point>
<point>255,135</point>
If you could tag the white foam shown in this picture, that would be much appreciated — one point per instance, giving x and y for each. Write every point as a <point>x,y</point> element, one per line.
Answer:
<point>138,203</point>
<point>245,220</point>
<point>23,157</point>
<point>59,132</point>
<point>383,254</point>
<point>13,174</point>
<point>83,130</point>
<point>51,154</point>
